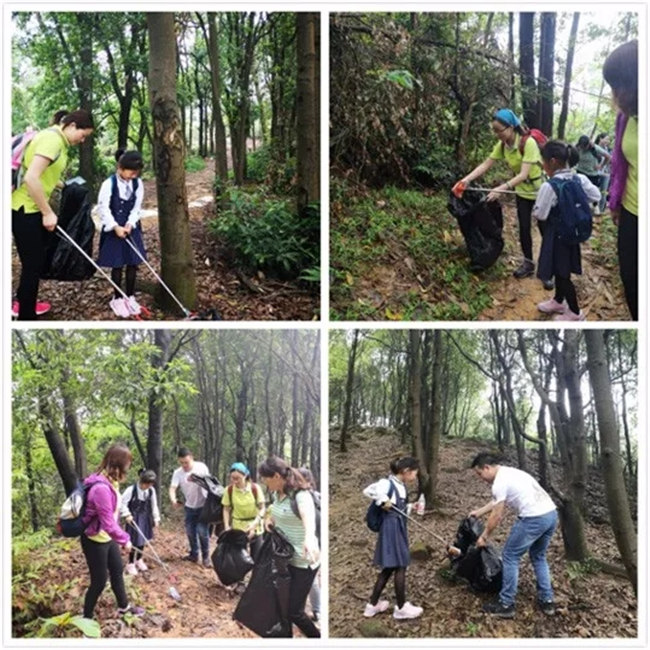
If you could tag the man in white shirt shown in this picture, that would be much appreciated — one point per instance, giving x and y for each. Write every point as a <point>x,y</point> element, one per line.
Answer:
<point>532,532</point>
<point>195,496</point>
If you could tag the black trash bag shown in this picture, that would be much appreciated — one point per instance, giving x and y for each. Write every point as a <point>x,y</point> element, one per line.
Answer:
<point>481,567</point>
<point>62,260</point>
<point>481,223</point>
<point>231,559</point>
<point>264,606</point>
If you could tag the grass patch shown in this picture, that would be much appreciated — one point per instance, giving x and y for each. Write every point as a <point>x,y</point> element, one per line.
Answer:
<point>194,164</point>
<point>411,235</point>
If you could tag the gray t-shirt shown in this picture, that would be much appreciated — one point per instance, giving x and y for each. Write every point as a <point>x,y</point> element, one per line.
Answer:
<point>194,494</point>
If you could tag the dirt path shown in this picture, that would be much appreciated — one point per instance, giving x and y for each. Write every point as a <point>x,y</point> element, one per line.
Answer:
<point>220,285</point>
<point>589,604</point>
<point>599,288</point>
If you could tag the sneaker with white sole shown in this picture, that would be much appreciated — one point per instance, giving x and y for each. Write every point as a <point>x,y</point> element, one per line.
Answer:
<point>119,307</point>
<point>371,609</point>
<point>131,569</point>
<point>569,315</point>
<point>552,306</point>
<point>133,306</point>
<point>140,565</point>
<point>407,611</point>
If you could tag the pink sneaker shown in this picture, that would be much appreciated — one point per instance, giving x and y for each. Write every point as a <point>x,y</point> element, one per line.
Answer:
<point>141,566</point>
<point>131,569</point>
<point>133,306</point>
<point>371,610</point>
<point>119,308</point>
<point>407,611</point>
<point>569,315</point>
<point>41,308</point>
<point>552,306</point>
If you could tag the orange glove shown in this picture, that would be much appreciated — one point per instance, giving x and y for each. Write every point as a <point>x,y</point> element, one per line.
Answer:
<point>458,189</point>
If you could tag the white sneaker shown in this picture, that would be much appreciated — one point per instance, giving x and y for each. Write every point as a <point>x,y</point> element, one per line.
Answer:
<point>407,611</point>
<point>131,569</point>
<point>132,306</point>
<point>371,610</point>
<point>119,308</point>
<point>141,566</point>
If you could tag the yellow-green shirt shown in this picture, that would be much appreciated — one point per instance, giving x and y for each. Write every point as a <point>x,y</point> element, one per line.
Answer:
<point>102,536</point>
<point>244,506</point>
<point>630,147</point>
<point>528,188</point>
<point>50,143</point>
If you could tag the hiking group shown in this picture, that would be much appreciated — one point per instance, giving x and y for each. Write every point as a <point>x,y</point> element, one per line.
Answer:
<point>39,161</point>
<point>289,511</point>
<point>580,181</point>
<point>536,520</point>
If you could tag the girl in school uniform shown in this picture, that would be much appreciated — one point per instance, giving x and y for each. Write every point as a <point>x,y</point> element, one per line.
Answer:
<point>139,506</point>
<point>287,484</point>
<point>392,553</point>
<point>557,258</point>
<point>119,202</point>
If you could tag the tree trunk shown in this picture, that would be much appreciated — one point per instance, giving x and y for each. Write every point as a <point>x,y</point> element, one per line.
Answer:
<point>307,130</point>
<point>177,261</point>
<point>349,384</point>
<point>564,111</point>
<point>527,68</point>
<point>617,499</point>
<point>546,62</point>
<point>31,486</point>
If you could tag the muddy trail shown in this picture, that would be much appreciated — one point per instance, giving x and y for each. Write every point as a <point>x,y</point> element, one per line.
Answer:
<point>599,289</point>
<point>234,293</point>
<point>205,608</point>
<point>590,604</point>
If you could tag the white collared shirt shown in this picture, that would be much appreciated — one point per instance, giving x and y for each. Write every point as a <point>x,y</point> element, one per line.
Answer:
<point>125,191</point>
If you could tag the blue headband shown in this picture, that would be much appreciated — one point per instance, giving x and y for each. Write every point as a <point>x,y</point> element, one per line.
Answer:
<point>506,116</point>
<point>239,467</point>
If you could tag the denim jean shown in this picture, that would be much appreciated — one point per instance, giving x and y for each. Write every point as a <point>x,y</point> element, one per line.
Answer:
<point>194,528</point>
<point>604,186</point>
<point>531,534</point>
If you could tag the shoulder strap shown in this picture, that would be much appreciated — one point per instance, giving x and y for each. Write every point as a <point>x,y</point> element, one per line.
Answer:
<point>254,490</point>
<point>229,490</point>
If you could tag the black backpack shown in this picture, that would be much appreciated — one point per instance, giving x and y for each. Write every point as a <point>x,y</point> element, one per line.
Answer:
<point>316,499</point>
<point>375,513</point>
<point>573,221</point>
<point>70,520</point>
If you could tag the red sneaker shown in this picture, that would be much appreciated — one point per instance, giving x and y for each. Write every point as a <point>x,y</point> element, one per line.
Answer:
<point>41,308</point>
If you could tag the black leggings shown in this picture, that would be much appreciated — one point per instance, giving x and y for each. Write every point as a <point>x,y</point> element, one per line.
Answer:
<point>135,554</point>
<point>400,585</point>
<point>524,217</point>
<point>103,558</point>
<point>564,289</point>
<point>31,240</point>
<point>628,258</point>
<point>301,581</point>
<point>116,276</point>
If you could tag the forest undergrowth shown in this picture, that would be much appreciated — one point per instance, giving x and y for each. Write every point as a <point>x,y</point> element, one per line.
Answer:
<point>399,255</point>
<point>50,577</point>
<point>223,283</point>
<point>591,604</point>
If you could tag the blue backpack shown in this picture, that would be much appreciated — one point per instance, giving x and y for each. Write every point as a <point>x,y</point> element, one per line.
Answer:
<point>375,513</point>
<point>573,221</point>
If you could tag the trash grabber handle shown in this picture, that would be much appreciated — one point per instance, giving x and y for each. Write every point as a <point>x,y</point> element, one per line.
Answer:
<point>417,523</point>
<point>488,190</point>
<point>149,544</point>
<point>162,282</point>
<point>90,259</point>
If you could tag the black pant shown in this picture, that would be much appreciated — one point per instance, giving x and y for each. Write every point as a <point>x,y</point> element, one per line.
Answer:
<point>524,217</point>
<point>31,240</point>
<point>628,258</point>
<point>400,585</point>
<point>301,581</point>
<point>116,276</point>
<point>136,553</point>
<point>103,558</point>
<point>565,289</point>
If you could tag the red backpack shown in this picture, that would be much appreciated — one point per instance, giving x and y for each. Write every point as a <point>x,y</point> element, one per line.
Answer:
<point>535,134</point>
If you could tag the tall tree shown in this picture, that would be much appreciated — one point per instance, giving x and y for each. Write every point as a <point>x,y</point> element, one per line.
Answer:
<point>349,385</point>
<point>177,260</point>
<point>527,67</point>
<point>546,63</point>
<point>564,111</point>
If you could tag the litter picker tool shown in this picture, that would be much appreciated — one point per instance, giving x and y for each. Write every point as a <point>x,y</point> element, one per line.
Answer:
<point>173,592</point>
<point>188,314</point>
<point>487,190</point>
<point>90,259</point>
<point>417,523</point>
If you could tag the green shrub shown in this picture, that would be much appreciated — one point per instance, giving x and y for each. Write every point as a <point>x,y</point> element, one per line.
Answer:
<point>257,164</point>
<point>194,164</point>
<point>266,233</point>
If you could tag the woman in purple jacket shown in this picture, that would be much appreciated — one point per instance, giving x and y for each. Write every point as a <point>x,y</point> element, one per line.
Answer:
<point>102,537</point>
<point>621,72</point>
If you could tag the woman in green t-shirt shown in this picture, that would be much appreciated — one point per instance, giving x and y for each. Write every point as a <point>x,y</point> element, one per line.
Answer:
<point>287,484</point>
<point>243,506</point>
<point>32,218</point>
<point>526,163</point>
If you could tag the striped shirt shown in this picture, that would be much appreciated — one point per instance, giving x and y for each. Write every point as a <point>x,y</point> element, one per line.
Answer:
<point>291,526</point>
